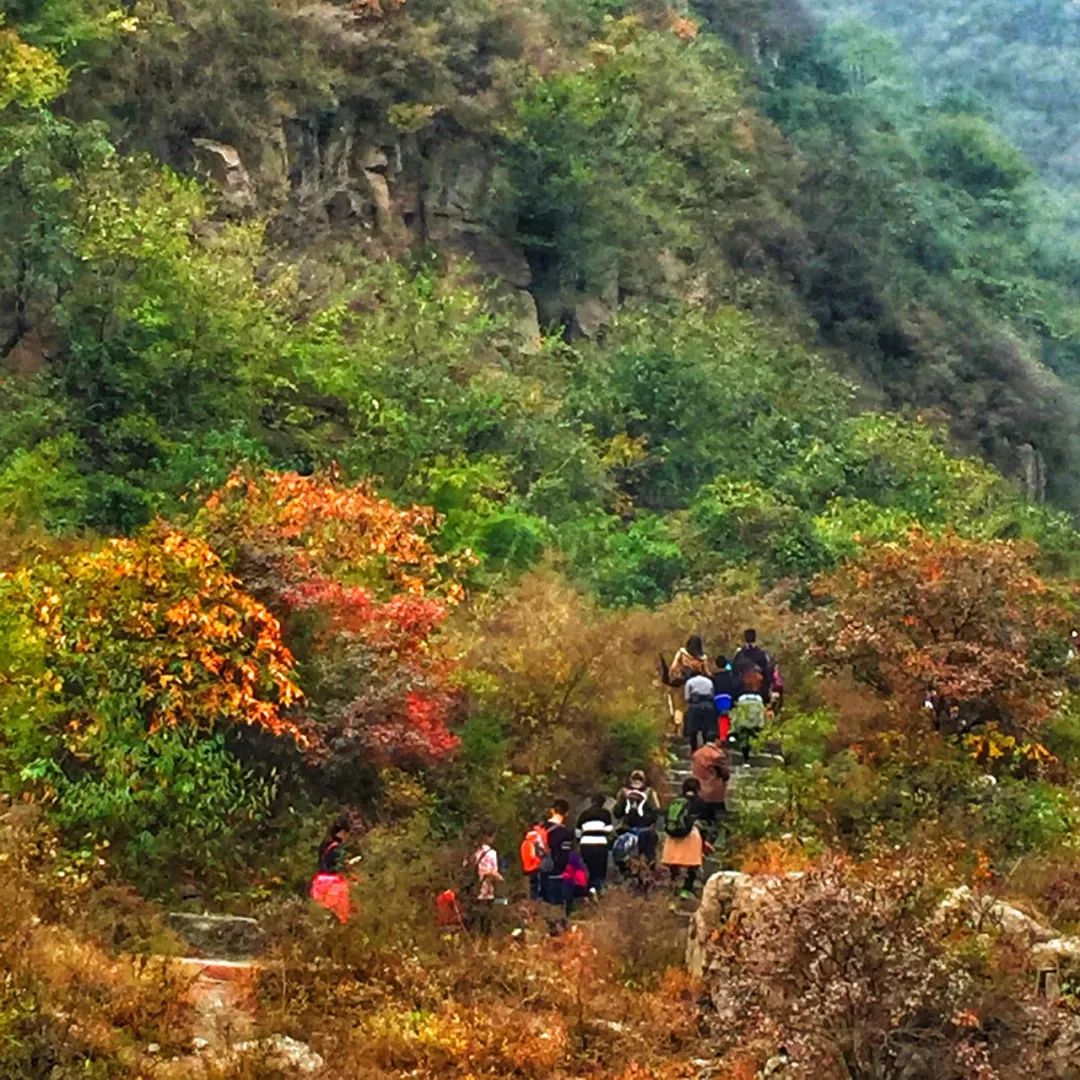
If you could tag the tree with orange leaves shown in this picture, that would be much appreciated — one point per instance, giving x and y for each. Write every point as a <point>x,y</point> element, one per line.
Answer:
<point>154,629</point>
<point>127,670</point>
<point>324,528</point>
<point>966,630</point>
<point>361,592</point>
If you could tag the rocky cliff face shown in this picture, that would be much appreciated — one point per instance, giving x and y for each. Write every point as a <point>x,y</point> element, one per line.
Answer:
<point>389,192</point>
<point>386,194</point>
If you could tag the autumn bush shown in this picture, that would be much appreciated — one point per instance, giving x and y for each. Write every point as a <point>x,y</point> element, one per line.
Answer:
<point>964,633</point>
<point>361,592</point>
<point>131,663</point>
<point>856,972</point>
<point>69,1003</point>
<point>558,673</point>
<point>605,1000</point>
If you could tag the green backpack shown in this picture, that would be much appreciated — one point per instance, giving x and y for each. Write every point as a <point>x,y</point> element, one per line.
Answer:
<point>748,713</point>
<point>678,820</point>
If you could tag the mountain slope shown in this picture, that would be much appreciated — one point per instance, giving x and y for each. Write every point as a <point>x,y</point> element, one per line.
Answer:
<point>681,204</point>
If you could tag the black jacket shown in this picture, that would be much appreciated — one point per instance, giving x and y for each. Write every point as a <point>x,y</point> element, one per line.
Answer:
<point>626,810</point>
<point>755,656</point>
<point>331,857</point>
<point>560,843</point>
<point>726,682</point>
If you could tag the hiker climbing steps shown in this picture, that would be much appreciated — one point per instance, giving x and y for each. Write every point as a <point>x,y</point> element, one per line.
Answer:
<point>673,836</point>
<point>754,786</point>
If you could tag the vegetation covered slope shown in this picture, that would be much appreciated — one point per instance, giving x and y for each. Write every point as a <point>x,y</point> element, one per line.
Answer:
<point>593,164</point>
<point>625,286</point>
<point>384,385</point>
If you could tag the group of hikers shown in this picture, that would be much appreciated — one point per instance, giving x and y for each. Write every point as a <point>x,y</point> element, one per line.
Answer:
<point>728,698</point>
<point>566,861</point>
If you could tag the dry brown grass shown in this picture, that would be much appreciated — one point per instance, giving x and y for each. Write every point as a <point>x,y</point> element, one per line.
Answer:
<point>603,1001</point>
<point>66,1002</point>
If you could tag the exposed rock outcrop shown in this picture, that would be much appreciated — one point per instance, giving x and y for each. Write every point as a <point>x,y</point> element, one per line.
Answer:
<point>988,913</point>
<point>726,895</point>
<point>1052,958</point>
<point>222,166</point>
<point>279,1052</point>
<point>234,937</point>
<point>1032,473</point>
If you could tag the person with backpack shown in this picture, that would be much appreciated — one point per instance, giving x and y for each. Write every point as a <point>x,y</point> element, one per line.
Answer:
<point>700,724</point>
<point>594,831</point>
<point>554,887</point>
<point>749,680</point>
<point>709,766</point>
<point>576,878</point>
<point>748,713</point>
<point>688,661</point>
<point>330,887</point>
<point>482,874</point>
<point>636,811</point>
<point>533,850</point>
<point>752,655</point>
<point>684,843</point>
<point>724,679</point>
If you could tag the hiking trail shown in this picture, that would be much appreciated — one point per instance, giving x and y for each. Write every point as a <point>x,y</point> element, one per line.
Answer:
<point>753,788</point>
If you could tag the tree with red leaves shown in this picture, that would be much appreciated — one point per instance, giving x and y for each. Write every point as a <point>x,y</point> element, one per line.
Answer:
<point>361,593</point>
<point>965,630</point>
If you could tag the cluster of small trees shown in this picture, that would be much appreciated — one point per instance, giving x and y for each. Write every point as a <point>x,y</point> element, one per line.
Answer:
<point>292,609</point>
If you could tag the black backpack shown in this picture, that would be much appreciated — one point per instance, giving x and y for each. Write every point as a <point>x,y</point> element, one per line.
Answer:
<point>468,882</point>
<point>640,812</point>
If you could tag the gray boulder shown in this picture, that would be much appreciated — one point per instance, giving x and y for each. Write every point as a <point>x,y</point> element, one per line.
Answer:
<point>226,937</point>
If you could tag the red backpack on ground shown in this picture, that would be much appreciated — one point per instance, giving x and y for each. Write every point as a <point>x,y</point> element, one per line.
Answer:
<point>448,910</point>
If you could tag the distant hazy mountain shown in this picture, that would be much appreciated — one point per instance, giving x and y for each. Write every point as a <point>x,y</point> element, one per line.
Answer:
<point>1017,59</point>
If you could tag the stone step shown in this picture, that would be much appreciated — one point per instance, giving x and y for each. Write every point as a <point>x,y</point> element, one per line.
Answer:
<point>222,994</point>
<point>232,937</point>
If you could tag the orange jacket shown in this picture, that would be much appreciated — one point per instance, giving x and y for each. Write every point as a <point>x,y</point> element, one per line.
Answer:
<point>533,849</point>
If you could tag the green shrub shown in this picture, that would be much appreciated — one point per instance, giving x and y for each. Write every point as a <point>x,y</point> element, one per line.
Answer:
<point>163,802</point>
<point>1061,736</point>
<point>1031,816</point>
<point>632,742</point>
<point>624,565</point>
<point>484,743</point>
<point>804,736</point>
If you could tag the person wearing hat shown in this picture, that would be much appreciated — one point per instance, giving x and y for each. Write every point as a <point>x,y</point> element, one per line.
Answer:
<point>636,810</point>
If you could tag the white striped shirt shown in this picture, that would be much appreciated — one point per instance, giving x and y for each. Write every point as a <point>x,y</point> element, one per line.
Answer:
<point>594,831</point>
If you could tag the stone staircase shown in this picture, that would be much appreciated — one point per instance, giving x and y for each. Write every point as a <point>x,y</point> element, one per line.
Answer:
<point>750,787</point>
<point>753,788</point>
<point>220,969</point>
<point>220,972</point>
